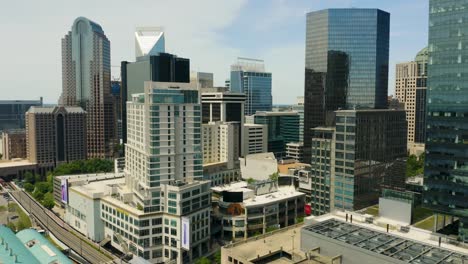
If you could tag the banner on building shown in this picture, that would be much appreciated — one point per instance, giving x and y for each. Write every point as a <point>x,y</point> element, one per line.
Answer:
<point>185,239</point>
<point>64,187</point>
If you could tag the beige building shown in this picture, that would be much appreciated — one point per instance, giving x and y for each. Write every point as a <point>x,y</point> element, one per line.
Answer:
<point>221,142</point>
<point>410,89</point>
<point>55,135</point>
<point>14,144</point>
<point>255,139</point>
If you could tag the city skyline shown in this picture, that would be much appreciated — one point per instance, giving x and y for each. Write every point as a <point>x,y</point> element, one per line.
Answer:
<point>237,28</point>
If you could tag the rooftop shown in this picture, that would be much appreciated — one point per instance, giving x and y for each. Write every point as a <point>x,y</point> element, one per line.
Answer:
<point>15,163</point>
<point>28,246</point>
<point>262,249</point>
<point>422,238</point>
<point>391,245</point>
<point>53,109</point>
<point>41,248</point>
<point>91,177</point>
<point>261,156</point>
<point>272,113</point>
<point>284,192</point>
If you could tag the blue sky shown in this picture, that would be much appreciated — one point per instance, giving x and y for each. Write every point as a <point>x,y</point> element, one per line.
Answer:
<point>212,33</point>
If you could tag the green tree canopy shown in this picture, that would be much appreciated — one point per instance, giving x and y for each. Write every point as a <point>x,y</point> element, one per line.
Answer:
<point>415,165</point>
<point>29,187</point>
<point>48,201</point>
<point>203,260</point>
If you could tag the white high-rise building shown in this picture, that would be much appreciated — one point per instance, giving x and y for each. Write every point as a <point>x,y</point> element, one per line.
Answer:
<point>161,210</point>
<point>149,41</point>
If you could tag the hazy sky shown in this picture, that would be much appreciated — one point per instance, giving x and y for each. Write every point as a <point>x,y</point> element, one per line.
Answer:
<point>211,33</point>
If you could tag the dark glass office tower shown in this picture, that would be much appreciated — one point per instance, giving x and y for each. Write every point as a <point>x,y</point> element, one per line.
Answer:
<point>446,168</point>
<point>346,64</point>
<point>163,67</point>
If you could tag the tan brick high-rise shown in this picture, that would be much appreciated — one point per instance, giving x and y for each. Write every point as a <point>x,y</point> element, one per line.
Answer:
<point>410,89</point>
<point>86,83</point>
<point>55,135</point>
<point>14,144</point>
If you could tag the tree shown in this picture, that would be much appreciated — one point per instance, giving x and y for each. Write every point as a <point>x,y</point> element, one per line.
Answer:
<point>203,260</point>
<point>38,195</point>
<point>250,180</point>
<point>274,176</point>
<point>29,177</point>
<point>217,257</point>
<point>48,201</point>
<point>29,187</point>
<point>415,165</point>
<point>43,187</point>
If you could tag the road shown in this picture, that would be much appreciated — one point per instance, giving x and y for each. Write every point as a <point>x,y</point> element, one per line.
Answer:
<point>60,230</point>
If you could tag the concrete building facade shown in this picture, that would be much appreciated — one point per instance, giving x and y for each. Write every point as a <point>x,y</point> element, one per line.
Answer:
<point>14,144</point>
<point>410,89</point>
<point>55,135</point>
<point>255,139</point>
<point>245,210</point>
<point>160,211</point>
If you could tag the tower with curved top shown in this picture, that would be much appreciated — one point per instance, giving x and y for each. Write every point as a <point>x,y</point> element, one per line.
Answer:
<point>86,82</point>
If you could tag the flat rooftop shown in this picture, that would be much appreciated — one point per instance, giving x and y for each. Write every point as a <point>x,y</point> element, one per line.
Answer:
<point>15,163</point>
<point>283,193</point>
<point>285,240</point>
<point>402,248</point>
<point>230,187</point>
<point>91,177</point>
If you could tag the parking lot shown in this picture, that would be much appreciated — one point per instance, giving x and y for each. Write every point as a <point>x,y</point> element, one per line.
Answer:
<point>8,210</point>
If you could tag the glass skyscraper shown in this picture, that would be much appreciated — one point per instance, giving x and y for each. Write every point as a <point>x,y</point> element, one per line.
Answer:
<point>283,128</point>
<point>346,64</point>
<point>446,168</point>
<point>86,82</point>
<point>248,76</point>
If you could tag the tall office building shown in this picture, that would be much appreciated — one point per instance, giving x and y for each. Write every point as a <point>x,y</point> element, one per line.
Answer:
<point>346,64</point>
<point>446,167</point>
<point>410,89</point>
<point>221,143</point>
<point>249,76</point>
<point>86,83</point>
<point>149,41</point>
<point>224,107</point>
<point>201,80</point>
<point>152,64</point>
<point>55,135</point>
<point>299,108</point>
<point>282,127</point>
<point>12,112</point>
<point>160,211</point>
<point>355,160</point>
<point>164,157</point>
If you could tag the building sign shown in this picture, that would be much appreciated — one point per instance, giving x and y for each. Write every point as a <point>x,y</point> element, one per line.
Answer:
<point>185,239</point>
<point>64,187</point>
